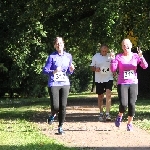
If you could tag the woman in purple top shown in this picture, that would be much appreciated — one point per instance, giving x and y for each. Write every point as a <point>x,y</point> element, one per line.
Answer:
<point>127,84</point>
<point>58,66</point>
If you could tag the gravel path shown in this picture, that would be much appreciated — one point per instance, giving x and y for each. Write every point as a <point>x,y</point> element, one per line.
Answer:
<point>84,131</point>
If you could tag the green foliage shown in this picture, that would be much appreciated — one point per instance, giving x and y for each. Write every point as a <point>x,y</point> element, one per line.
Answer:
<point>3,68</point>
<point>28,28</point>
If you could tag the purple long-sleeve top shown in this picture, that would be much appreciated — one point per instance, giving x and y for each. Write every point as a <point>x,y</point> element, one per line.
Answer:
<point>55,60</point>
<point>127,68</point>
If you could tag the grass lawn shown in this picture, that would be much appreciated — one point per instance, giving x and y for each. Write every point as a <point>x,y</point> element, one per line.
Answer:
<point>18,132</point>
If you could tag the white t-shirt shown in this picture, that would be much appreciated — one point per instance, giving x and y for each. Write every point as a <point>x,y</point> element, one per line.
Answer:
<point>104,63</point>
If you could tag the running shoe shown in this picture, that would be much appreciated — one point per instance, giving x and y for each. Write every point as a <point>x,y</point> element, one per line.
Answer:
<point>108,117</point>
<point>129,127</point>
<point>118,121</point>
<point>101,117</point>
<point>60,130</point>
<point>50,120</point>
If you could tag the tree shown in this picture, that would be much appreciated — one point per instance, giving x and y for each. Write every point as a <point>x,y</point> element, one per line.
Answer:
<point>28,28</point>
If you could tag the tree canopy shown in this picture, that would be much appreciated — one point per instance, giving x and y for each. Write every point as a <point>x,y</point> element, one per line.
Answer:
<point>28,28</point>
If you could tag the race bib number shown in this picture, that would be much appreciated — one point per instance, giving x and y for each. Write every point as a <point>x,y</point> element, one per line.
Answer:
<point>104,70</point>
<point>129,74</point>
<point>60,76</point>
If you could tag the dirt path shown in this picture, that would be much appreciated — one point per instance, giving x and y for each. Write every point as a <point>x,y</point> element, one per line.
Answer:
<point>83,130</point>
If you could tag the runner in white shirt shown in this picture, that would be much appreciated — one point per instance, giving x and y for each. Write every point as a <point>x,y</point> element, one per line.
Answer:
<point>103,79</point>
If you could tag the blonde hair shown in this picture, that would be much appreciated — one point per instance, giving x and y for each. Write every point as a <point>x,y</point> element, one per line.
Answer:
<point>128,40</point>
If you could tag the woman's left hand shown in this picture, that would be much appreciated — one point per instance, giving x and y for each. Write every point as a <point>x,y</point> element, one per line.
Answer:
<point>71,68</point>
<point>139,52</point>
<point>112,54</point>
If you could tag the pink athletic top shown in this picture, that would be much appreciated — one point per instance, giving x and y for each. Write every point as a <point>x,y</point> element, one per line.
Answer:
<point>127,69</point>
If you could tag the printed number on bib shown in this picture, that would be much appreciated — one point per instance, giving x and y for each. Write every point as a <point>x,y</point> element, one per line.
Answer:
<point>60,76</point>
<point>104,70</point>
<point>129,74</point>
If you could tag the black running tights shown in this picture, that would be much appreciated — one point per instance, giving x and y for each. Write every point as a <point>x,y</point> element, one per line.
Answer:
<point>127,94</point>
<point>58,98</point>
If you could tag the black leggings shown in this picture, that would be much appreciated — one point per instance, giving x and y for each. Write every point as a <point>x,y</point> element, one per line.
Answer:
<point>58,98</point>
<point>127,94</point>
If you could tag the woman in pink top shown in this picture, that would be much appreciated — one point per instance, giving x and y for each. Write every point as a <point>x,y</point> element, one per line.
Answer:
<point>126,64</point>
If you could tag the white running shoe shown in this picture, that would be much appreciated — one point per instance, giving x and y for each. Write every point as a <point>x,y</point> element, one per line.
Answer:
<point>101,117</point>
<point>108,118</point>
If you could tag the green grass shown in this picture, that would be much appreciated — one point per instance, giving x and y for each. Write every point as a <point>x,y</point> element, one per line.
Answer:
<point>23,135</point>
<point>18,131</point>
<point>142,117</point>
